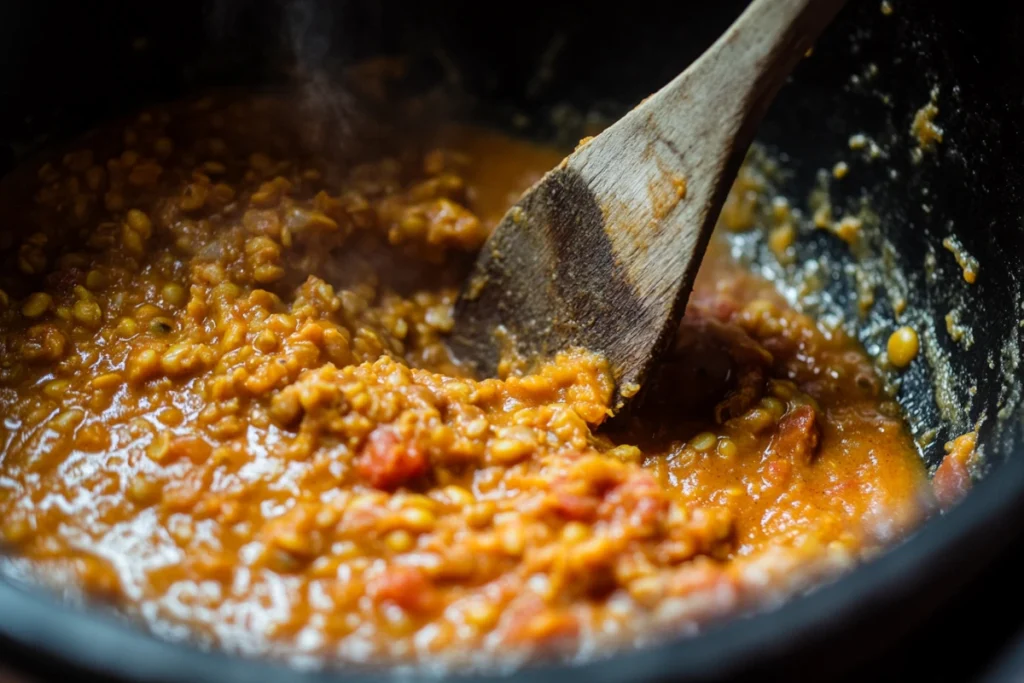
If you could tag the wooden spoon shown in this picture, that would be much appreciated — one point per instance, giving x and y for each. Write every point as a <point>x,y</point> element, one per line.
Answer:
<point>602,252</point>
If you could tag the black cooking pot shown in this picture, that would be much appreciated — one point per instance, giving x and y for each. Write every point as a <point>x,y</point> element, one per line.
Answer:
<point>546,68</point>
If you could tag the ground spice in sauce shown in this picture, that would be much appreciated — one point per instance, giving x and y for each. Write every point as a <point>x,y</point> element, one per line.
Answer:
<point>228,410</point>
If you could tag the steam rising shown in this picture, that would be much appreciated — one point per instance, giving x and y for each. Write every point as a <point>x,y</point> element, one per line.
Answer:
<point>319,46</point>
<point>307,53</point>
<point>329,110</point>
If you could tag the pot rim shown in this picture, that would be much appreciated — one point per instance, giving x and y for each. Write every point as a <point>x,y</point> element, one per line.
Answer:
<point>54,634</point>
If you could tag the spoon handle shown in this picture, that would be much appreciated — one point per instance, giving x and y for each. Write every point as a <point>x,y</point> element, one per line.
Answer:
<point>660,175</point>
<point>689,138</point>
<point>745,68</point>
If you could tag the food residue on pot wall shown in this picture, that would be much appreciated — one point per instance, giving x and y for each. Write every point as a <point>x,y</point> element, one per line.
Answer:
<point>952,479</point>
<point>958,332</point>
<point>967,263</point>
<point>867,146</point>
<point>924,129</point>
<point>876,264</point>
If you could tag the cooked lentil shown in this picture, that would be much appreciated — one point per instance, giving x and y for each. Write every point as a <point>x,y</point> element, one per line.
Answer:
<point>903,346</point>
<point>230,412</point>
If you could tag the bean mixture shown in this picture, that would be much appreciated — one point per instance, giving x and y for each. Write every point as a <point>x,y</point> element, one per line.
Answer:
<point>228,411</point>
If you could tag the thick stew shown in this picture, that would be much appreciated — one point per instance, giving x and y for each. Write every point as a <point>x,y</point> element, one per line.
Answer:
<point>229,411</point>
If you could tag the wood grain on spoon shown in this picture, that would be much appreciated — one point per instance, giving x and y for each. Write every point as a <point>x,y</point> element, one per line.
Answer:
<point>602,252</point>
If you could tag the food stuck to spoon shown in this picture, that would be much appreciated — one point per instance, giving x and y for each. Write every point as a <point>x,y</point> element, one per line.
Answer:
<point>601,253</point>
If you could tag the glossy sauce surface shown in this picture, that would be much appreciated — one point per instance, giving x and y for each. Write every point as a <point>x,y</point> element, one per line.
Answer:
<point>228,410</point>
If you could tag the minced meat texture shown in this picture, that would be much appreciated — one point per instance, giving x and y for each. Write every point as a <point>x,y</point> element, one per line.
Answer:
<point>229,411</point>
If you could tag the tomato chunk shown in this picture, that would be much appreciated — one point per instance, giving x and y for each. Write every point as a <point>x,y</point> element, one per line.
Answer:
<point>388,462</point>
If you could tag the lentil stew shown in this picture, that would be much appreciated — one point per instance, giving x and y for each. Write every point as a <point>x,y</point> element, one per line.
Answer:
<point>229,411</point>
